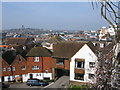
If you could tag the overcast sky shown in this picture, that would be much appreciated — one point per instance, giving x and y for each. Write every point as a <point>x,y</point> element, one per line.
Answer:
<point>52,15</point>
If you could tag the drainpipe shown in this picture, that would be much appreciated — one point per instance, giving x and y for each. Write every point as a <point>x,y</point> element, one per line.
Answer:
<point>11,71</point>
<point>42,68</point>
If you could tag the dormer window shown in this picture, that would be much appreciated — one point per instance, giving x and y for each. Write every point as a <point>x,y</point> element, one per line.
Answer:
<point>24,47</point>
<point>36,59</point>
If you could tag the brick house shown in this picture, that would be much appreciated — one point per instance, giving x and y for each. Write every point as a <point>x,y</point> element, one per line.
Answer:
<point>14,65</point>
<point>6,71</point>
<point>39,63</point>
<point>20,68</point>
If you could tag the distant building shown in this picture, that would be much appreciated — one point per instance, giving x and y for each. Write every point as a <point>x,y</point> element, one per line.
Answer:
<point>19,41</point>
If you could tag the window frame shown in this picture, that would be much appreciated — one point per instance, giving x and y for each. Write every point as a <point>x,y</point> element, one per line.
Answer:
<point>77,77</point>
<point>23,68</point>
<point>91,77</point>
<point>20,59</point>
<point>9,69</point>
<point>4,69</point>
<point>36,59</point>
<point>82,64</point>
<point>35,67</point>
<point>13,68</point>
<point>60,61</point>
<point>91,65</point>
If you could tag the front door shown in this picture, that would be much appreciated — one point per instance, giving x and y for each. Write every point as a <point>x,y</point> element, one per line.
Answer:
<point>31,76</point>
<point>2,78</point>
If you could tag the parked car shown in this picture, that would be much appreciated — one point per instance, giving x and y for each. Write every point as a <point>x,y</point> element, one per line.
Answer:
<point>5,85</point>
<point>36,82</point>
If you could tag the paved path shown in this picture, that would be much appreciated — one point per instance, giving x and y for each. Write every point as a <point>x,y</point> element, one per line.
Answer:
<point>62,82</point>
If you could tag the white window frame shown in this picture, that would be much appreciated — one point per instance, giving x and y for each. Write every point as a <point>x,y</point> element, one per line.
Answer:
<point>13,68</point>
<point>36,59</point>
<point>23,68</point>
<point>92,66</point>
<point>91,75</point>
<point>4,69</point>
<point>20,59</point>
<point>101,45</point>
<point>76,64</point>
<point>9,69</point>
<point>35,67</point>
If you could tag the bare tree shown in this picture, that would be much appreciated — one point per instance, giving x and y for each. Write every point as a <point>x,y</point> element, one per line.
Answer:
<point>108,75</point>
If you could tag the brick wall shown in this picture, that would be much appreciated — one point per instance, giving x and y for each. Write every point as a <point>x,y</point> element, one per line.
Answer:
<point>18,65</point>
<point>44,64</point>
<point>5,65</point>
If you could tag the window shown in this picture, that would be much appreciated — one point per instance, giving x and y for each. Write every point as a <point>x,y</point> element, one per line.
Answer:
<point>46,71</point>
<point>91,76</point>
<point>13,68</point>
<point>4,69</point>
<point>79,64</point>
<point>23,67</point>
<point>36,59</point>
<point>25,75</point>
<point>35,67</point>
<point>20,59</point>
<point>79,76</point>
<point>37,74</point>
<point>101,45</point>
<point>60,61</point>
<point>92,64</point>
<point>9,69</point>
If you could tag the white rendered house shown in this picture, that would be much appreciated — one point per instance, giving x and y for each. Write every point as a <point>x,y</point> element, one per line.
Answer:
<point>83,65</point>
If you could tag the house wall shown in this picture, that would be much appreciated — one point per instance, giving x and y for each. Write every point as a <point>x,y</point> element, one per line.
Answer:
<point>40,75</point>
<point>84,53</point>
<point>18,65</point>
<point>65,66</point>
<point>45,63</point>
<point>5,65</point>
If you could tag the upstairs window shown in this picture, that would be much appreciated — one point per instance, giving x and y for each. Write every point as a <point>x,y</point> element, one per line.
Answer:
<point>79,76</point>
<point>20,59</point>
<point>35,67</point>
<point>60,61</point>
<point>36,59</point>
<point>92,64</point>
<point>23,67</point>
<point>9,69</point>
<point>13,69</point>
<point>3,69</point>
<point>79,64</point>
